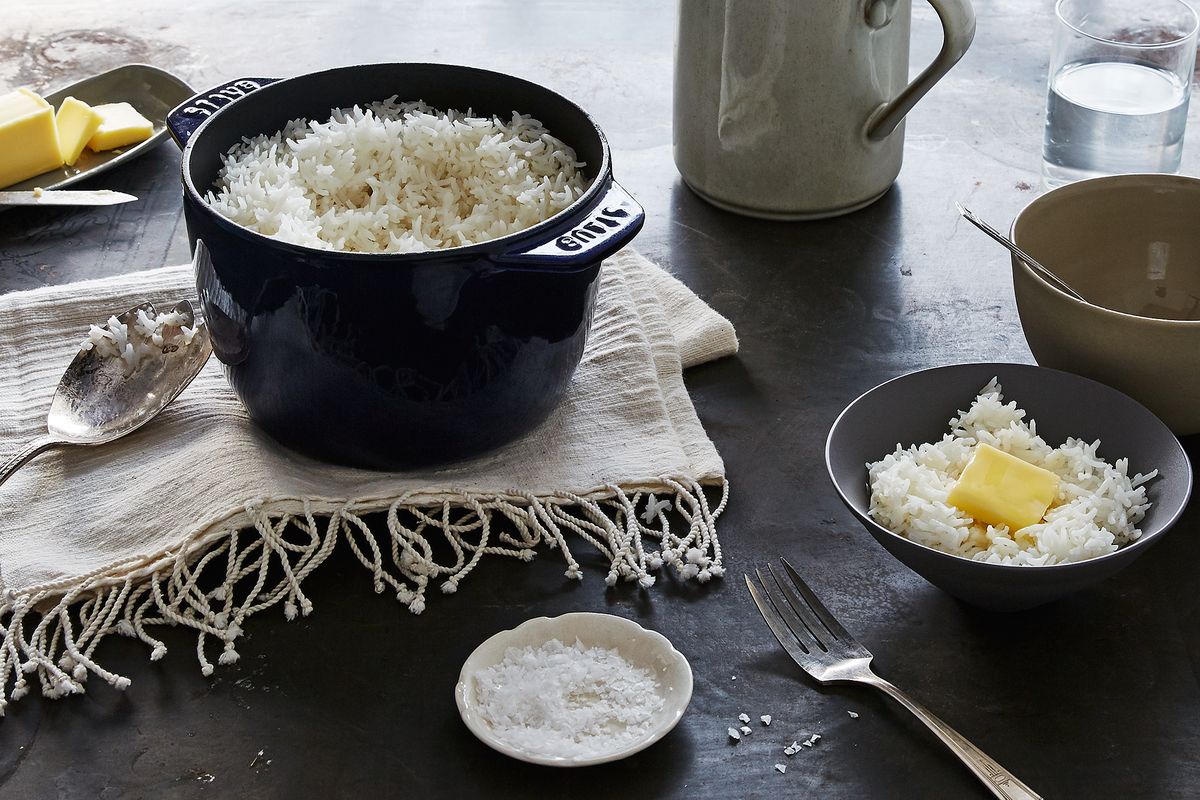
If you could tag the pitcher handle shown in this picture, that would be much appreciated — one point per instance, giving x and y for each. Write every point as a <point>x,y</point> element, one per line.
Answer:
<point>958,27</point>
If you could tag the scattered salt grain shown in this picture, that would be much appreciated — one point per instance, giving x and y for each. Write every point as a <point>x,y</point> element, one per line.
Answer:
<point>765,719</point>
<point>791,749</point>
<point>746,731</point>
<point>853,714</point>
<point>567,700</point>
<point>733,734</point>
<point>781,768</point>
<point>744,718</point>
<point>810,741</point>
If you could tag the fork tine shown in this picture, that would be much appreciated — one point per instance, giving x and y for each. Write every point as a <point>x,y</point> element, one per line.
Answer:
<point>824,637</point>
<point>787,613</point>
<point>799,628</point>
<point>831,623</point>
<point>786,638</point>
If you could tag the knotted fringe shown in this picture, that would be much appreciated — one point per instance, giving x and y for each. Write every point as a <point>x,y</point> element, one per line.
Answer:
<point>50,632</point>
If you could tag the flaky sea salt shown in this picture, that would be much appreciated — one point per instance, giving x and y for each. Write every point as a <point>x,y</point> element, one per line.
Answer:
<point>743,718</point>
<point>781,768</point>
<point>567,700</point>
<point>733,734</point>
<point>853,714</point>
<point>765,719</point>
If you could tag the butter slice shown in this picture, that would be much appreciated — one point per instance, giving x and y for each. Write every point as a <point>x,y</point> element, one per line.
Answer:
<point>28,137</point>
<point>121,124</point>
<point>997,488</point>
<point>77,122</point>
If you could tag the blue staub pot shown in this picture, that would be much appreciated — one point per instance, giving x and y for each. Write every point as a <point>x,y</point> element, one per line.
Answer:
<point>393,361</point>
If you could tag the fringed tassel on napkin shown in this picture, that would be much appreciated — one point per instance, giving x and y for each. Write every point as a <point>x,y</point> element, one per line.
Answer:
<point>50,632</point>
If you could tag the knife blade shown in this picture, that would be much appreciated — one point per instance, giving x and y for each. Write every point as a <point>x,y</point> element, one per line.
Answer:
<point>65,197</point>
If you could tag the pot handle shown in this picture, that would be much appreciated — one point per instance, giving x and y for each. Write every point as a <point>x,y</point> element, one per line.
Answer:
<point>608,226</point>
<point>958,28</point>
<point>184,118</point>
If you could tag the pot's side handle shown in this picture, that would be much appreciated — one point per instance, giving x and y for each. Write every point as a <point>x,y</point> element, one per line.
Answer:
<point>608,227</point>
<point>184,118</point>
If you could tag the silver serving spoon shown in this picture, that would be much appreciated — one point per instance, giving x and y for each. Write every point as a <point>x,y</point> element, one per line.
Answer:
<point>1050,277</point>
<point>96,402</point>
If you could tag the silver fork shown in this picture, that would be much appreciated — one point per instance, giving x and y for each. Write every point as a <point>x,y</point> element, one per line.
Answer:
<point>826,651</point>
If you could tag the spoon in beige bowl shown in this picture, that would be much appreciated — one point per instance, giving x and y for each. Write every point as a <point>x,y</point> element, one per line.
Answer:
<point>97,402</point>
<point>1034,264</point>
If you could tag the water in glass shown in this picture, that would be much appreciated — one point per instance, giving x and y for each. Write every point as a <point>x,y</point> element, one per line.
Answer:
<point>1108,117</point>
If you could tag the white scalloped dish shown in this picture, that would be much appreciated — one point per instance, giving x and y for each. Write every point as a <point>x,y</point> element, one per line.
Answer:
<point>640,647</point>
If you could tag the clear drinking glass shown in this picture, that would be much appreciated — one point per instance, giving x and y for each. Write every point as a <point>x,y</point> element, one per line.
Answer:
<point>1120,78</point>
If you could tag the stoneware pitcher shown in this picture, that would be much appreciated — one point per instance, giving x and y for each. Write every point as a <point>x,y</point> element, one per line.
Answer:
<point>794,109</point>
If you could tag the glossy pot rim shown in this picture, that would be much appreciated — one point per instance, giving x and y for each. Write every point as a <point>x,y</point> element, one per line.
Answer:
<point>541,232</point>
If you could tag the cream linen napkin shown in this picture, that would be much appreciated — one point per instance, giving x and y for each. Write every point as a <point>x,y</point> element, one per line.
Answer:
<point>199,519</point>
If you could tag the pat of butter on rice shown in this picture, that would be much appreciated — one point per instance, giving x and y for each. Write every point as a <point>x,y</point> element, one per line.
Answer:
<point>1097,509</point>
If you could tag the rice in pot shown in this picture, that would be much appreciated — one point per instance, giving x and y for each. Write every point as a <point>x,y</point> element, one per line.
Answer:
<point>397,177</point>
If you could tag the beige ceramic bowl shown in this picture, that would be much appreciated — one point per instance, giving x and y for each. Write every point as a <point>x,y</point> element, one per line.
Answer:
<point>1131,245</point>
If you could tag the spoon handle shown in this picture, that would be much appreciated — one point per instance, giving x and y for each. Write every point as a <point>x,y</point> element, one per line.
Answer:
<point>1034,264</point>
<point>38,445</point>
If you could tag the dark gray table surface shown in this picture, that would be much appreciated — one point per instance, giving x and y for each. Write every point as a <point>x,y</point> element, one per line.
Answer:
<point>1095,696</point>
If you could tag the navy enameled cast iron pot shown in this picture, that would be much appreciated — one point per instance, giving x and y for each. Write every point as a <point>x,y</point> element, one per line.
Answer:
<point>392,361</point>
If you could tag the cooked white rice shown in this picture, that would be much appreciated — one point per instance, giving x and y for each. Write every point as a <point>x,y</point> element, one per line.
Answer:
<point>163,333</point>
<point>396,178</point>
<point>1097,509</point>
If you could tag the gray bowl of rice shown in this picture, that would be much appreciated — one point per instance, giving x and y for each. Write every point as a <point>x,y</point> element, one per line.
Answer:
<point>896,453</point>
